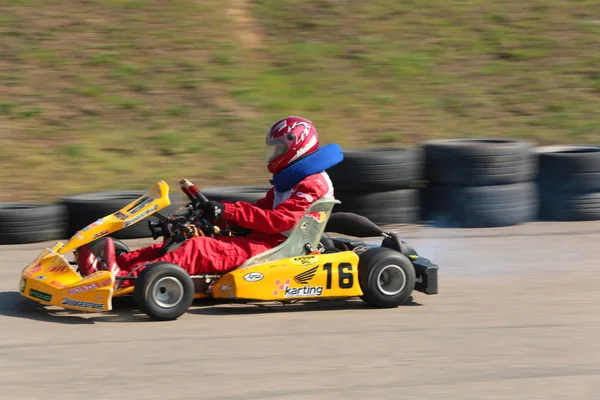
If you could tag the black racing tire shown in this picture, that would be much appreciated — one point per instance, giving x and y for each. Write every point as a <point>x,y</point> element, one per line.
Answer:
<point>86,208</point>
<point>374,169</point>
<point>481,206</point>
<point>22,223</point>
<point>391,207</point>
<point>569,168</point>
<point>97,247</point>
<point>249,194</point>
<point>168,280</point>
<point>479,162</point>
<point>387,277</point>
<point>568,206</point>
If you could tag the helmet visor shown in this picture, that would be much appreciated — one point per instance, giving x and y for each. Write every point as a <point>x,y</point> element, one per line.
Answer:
<point>275,149</point>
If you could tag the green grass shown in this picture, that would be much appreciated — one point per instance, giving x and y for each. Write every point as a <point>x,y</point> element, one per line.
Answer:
<point>119,93</point>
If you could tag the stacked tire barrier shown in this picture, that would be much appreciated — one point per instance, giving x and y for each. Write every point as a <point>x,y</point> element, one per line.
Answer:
<point>236,193</point>
<point>475,183</point>
<point>85,208</point>
<point>22,223</point>
<point>378,183</point>
<point>569,183</point>
<point>469,183</point>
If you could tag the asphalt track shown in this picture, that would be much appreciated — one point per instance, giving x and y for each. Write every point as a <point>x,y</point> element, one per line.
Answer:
<point>517,317</point>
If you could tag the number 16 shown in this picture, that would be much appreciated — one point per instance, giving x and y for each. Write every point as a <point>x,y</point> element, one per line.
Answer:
<point>346,279</point>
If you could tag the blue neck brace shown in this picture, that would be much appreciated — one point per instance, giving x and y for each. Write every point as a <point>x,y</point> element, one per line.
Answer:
<point>325,157</point>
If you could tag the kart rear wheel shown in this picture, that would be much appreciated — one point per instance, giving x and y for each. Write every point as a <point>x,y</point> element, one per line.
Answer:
<point>97,247</point>
<point>163,291</point>
<point>387,277</point>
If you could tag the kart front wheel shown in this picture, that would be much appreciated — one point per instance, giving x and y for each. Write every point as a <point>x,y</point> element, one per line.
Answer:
<point>387,277</point>
<point>164,291</point>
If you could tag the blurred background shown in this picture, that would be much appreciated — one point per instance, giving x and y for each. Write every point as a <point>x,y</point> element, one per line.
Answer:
<point>116,94</point>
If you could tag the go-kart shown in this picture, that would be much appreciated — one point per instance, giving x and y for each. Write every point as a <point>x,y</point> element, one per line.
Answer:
<point>308,265</point>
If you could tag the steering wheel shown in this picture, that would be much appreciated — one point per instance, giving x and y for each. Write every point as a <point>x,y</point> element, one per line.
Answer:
<point>192,192</point>
<point>178,228</point>
<point>197,200</point>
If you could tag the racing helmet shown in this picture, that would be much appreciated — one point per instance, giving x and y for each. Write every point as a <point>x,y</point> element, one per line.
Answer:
<point>288,140</point>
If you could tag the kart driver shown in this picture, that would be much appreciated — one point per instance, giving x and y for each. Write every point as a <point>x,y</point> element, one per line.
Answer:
<point>298,166</point>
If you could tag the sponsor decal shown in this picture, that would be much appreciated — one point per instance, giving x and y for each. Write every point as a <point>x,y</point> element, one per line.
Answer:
<point>304,291</point>
<point>318,216</point>
<point>253,277</point>
<point>304,149</point>
<point>34,270</point>
<point>305,196</point>
<point>39,295</point>
<point>120,215</point>
<point>138,205</point>
<point>225,288</point>
<point>90,226</point>
<point>106,283</point>
<point>82,304</point>
<point>141,216</point>
<point>97,235</point>
<point>61,269</point>
<point>305,260</point>
<point>58,284</point>
<point>83,288</point>
<point>92,276</point>
<point>281,286</point>
<point>306,276</point>
<point>22,285</point>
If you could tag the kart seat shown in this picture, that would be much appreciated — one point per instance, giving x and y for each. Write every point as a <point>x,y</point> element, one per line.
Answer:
<point>306,234</point>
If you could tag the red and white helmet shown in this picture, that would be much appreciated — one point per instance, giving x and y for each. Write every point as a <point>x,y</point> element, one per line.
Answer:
<point>288,140</point>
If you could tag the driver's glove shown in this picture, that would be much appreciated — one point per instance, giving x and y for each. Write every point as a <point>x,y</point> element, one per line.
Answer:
<point>213,210</point>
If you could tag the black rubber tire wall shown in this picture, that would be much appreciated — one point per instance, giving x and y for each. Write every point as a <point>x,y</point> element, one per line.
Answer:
<point>390,207</point>
<point>479,162</point>
<point>377,169</point>
<point>22,223</point>
<point>481,206</point>
<point>86,208</point>
<point>477,183</point>
<point>249,194</point>
<point>564,206</point>
<point>569,183</point>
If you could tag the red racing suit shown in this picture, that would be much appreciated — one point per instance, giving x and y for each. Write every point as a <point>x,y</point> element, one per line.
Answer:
<point>270,219</point>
